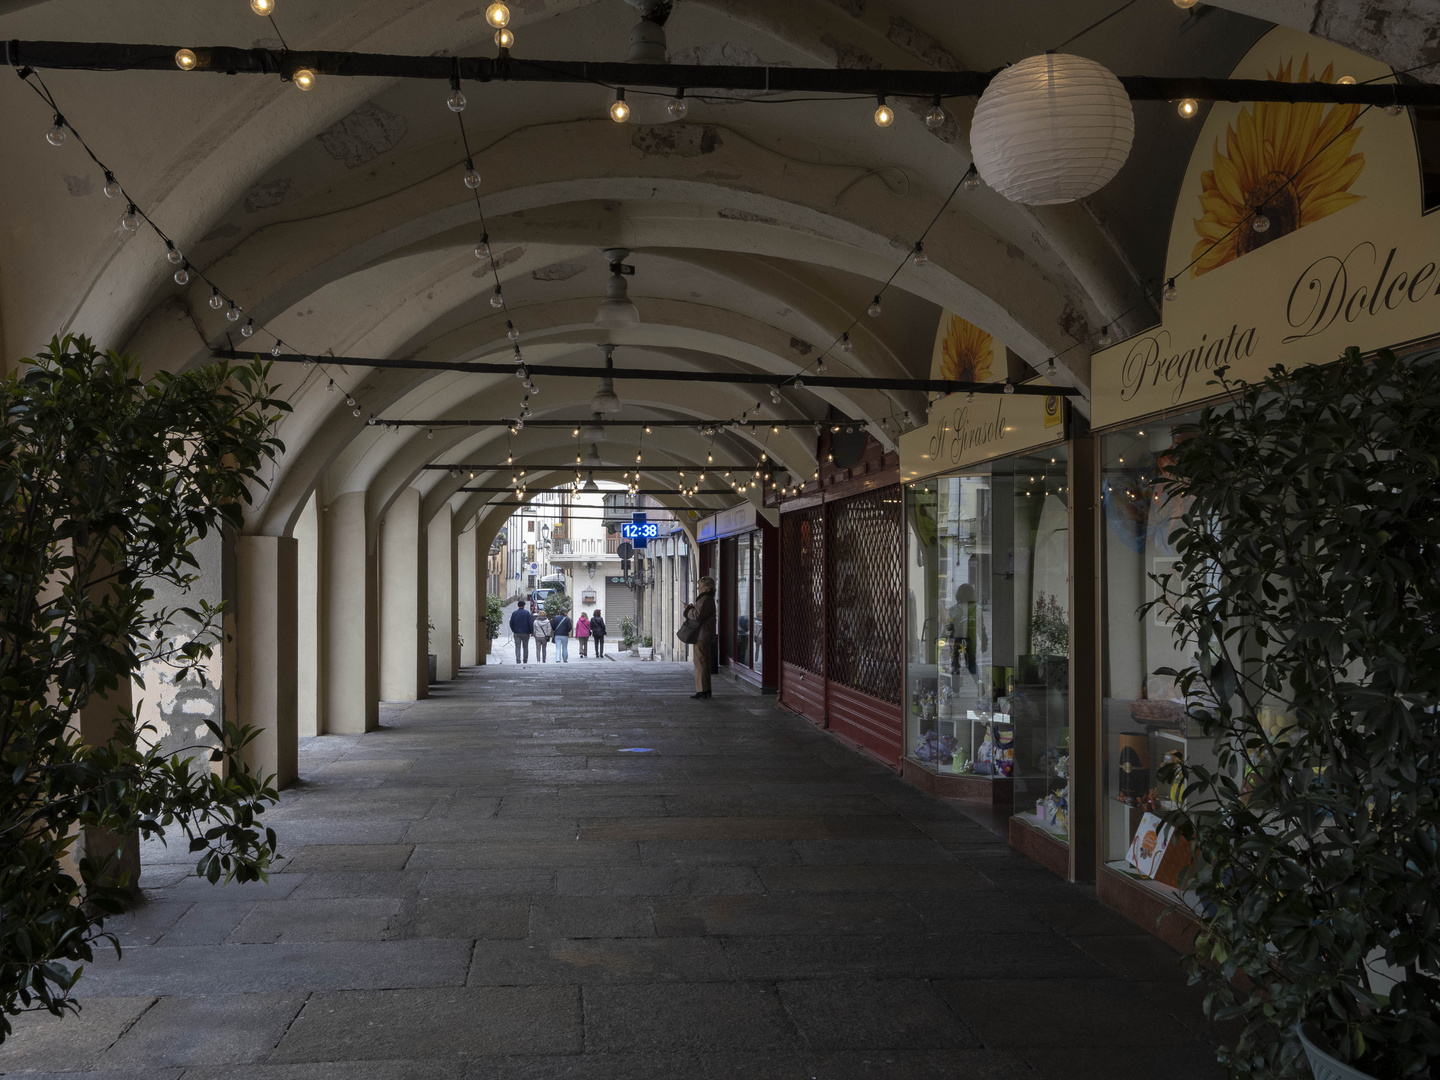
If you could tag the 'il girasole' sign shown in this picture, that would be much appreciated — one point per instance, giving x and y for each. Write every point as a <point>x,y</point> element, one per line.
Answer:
<point>962,433</point>
<point>1348,258</point>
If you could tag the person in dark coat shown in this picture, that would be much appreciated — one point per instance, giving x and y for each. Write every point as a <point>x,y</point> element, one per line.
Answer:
<point>522,625</point>
<point>703,612</point>
<point>597,632</point>
<point>563,629</point>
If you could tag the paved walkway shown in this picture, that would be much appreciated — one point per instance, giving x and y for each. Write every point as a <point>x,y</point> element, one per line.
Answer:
<point>578,873</point>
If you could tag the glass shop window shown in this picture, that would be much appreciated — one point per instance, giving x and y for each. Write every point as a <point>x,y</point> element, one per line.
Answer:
<point>743,615</point>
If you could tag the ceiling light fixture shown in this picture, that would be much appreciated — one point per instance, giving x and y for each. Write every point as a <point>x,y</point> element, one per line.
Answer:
<point>617,311</point>
<point>605,400</point>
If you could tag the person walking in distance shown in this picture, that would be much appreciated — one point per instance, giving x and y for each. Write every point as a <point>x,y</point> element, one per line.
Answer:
<point>522,625</point>
<point>597,631</point>
<point>562,627</point>
<point>543,633</point>
<point>582,631</point>
<point>703,612</point>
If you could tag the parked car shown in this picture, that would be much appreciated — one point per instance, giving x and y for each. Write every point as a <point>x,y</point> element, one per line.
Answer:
<point>538,598</point>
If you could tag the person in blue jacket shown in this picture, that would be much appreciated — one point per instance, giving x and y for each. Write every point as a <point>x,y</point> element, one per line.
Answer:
<point>522,625</point>
<point>562,628</point>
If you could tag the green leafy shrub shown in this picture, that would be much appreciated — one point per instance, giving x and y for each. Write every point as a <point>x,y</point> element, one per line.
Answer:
<point>1308,589</point>
<point>106,479</point>
<point>494,616</point>
<point>628,634</point>
<point>556,604</point>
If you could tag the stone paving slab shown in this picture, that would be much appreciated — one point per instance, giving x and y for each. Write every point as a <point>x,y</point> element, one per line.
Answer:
<point>487,889</point>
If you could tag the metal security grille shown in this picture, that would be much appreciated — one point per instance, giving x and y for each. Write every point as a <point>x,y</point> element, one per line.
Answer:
<point>802,588</point>
<point>866,599</point>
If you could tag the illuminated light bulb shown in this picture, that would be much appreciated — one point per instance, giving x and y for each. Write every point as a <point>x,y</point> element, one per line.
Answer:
<point>130,220</point>
<point>1186,5</point>
<point>304,78</point>
<point>619,110</point>
<point>677,106</point>
<point>263,7</point>
<point>884,115</point>
<point>275,350</point>
<point>456,102</point>
<point>215,301</point>
<point>496,300</point>
<point>846,345</point>
<point>971,180</point>
<point>504,38</point>
<point>112,186</point>
<point>173,257</point>
<point>935,118</point>
<point>874,309</point>
<point>512,333</point>
<point>185,59</point>
<point>1345,80</point>
<point>248,330</point>
<point>472,176</point>
<point>233,314</point>
<point>1105,340</point>
<point>497,15</point>
<point>920,258</point>
<point>1170,291</point>
<point>1260,223</point>
<point>182,276</point>
<point>56,135</point>
<point>482,249</point>
<point>1188,107</point>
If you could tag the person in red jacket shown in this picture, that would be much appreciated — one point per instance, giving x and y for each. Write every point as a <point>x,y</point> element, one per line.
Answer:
<point>582,631</point>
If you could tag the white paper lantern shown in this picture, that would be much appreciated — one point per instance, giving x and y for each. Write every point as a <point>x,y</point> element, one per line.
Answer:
<point>1052,129</point>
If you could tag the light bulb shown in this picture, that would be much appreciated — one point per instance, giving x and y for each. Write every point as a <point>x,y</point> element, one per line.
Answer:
<point>512,333</point>
<point>215,301</point>
<point>263,7</point>
<point>173,257</point>
<point>496,300</point>
<point>820,368</point>
<point>233,314</point>
<point>275,350</point>
<point>1170,290</point>
<point>799,383</point>
<point>677,106</point>
<point>1186,5</point>
<point>846,345</point>
<point>482,249</point>
<point>971,180</point>
<point>130,220</point>
<point>112,186</point>
<point>1187,107</point>
<point>1105,340</point>
<point>1345,80</point>
<point>504,38</point>
<point>354,412</point>
<point>619,111</point>
<point>1260,223</point>
<point>349,401</point>
<point>520,373</point>
<point>182,276</point>
<point>56,135</point>
<point>430,433</point>
<point>920,258</point>
<point>1394,110</point>
<point>775,395</point>
<point>1009,387</point>
<point>472,177</point>
<point>874,309</point>
<point>884,115</point>
<point>456,102</point>
<point>935,118</point>
<point>248,330</point>
<point>303,78</point>
<point>497,15</point>
<point>185,59</point>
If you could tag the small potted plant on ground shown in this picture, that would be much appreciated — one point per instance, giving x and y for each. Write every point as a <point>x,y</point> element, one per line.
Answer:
<point>1307,588</point>
<point>629,637</point>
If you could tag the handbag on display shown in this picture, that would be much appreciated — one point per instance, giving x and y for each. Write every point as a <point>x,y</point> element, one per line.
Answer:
<point>689,631</point>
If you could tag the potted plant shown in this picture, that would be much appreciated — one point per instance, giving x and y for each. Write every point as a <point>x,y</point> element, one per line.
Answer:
<point>1307,588</point>
<point>494,615</point>
<point>629,637</point>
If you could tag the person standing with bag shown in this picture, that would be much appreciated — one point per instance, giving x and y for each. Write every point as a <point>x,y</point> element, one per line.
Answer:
<point>582,631</point>
<point>543,633</point>
<point>561,626</point>
<point>702,611</point>
<point>597,631</point>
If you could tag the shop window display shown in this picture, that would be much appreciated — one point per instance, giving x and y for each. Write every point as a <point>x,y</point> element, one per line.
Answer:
<point>987,565</point>
<point>1143,713</point>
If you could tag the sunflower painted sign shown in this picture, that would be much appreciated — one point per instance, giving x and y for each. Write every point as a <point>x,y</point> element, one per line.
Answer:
<point>965,353</point>
<point>1299,231</point>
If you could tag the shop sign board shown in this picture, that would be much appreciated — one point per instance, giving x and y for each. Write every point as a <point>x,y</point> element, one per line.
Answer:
<point>963,432</point>
<point>1348,257</point>
<point>737,519</point>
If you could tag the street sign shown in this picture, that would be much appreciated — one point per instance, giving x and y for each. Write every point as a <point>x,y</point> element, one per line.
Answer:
<point>534,566</point>
<point>639,531</point>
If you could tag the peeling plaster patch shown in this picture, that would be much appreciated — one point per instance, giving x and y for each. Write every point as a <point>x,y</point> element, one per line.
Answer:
<point>804,348</point>
<point>364,135</point>
<point>264,196</point>
<point>731,214</point>
<point>560,271</point>
<point>198,707</point>
<point>221,232</point>
<point>847,55</point>
<point>916,42</point>
<point>676,140</point>
<point>504,259</point>
<point>78,185</point>
<point>1074,323</point>
<point>163,701</point>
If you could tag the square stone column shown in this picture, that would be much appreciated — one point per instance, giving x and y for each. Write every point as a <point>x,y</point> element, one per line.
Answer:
<point>404,633</point>
<point>265,688</point>
<point>469,578</point>
<point>443,588</point>
<point>349,654</point>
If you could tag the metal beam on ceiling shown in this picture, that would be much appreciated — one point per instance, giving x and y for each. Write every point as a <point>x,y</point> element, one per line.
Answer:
<point>228,60</point>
